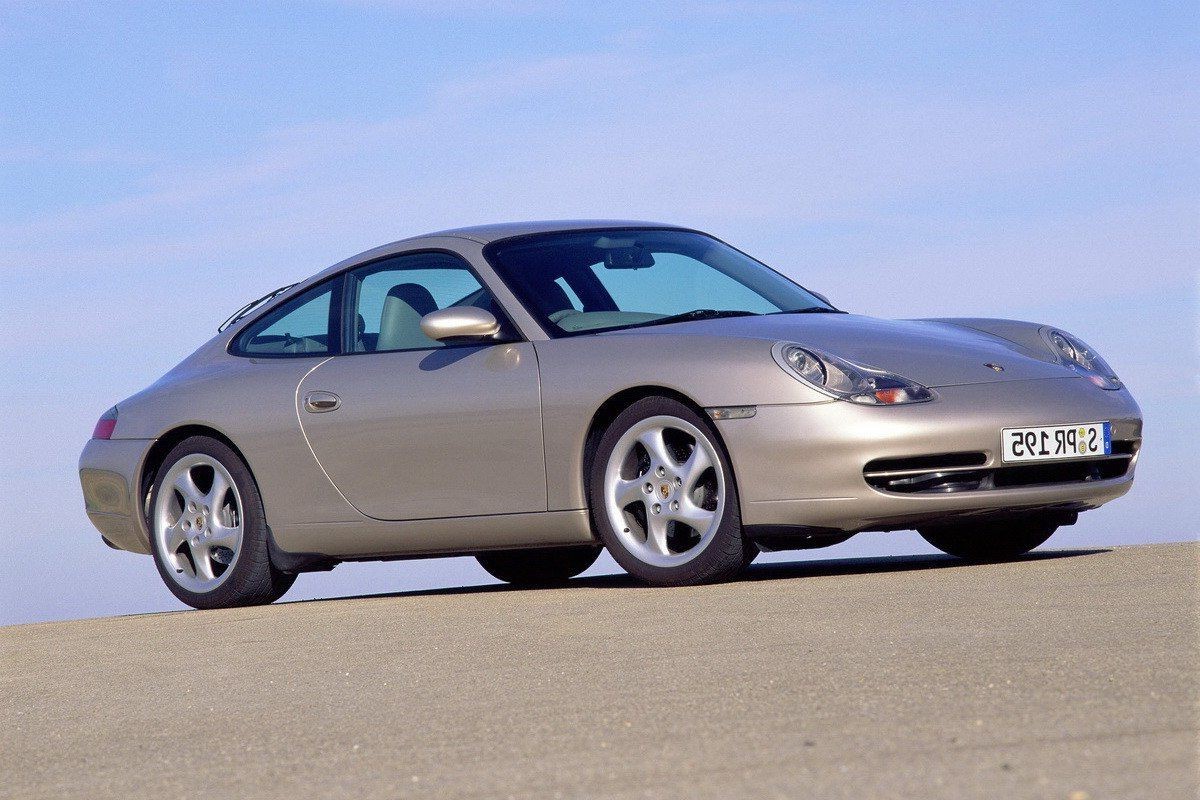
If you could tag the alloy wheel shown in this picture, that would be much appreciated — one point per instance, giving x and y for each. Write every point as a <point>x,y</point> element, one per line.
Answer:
<point>664,491</point>
<point>198,522</point>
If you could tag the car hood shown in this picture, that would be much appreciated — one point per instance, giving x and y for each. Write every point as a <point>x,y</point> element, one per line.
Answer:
<point>930,352</point>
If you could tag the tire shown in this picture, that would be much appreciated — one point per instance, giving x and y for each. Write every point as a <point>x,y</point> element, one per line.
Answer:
<point>989,541</point>
<point>750,553</point>
<point>649,495</point>
<point>546,566</point>
<point>200,518</point>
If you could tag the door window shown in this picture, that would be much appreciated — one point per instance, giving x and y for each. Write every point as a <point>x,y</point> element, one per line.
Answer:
<point>390,297</point>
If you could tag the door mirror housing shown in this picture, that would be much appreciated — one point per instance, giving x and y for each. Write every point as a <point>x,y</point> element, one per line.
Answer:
<point>820,297</point>
<point>461,323</point>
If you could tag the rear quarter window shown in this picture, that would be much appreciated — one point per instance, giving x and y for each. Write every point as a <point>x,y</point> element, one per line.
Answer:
<point>303,326</point>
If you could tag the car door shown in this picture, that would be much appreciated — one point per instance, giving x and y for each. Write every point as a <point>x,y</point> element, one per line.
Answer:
<point>410,428</point>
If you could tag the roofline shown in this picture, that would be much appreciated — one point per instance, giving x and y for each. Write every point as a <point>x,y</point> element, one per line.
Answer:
<point>481,235</point>
<point>486,234</point>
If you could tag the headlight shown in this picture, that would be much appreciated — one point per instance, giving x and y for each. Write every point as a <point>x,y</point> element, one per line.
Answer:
<point>1076,354</point>
<point>843,379</point>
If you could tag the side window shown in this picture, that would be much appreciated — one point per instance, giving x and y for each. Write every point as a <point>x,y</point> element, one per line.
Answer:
<point>300,327</point>
<point>390,298</point>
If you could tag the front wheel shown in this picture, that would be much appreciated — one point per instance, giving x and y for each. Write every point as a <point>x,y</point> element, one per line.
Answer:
<point>663,497</point>
<point>209,530</point>
<point>989,541</point>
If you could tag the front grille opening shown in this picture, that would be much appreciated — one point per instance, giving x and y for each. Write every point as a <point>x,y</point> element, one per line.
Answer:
<point>932,463</point>
<point>1067,472</point>
<point>948,473</point>
<point>925,482</point>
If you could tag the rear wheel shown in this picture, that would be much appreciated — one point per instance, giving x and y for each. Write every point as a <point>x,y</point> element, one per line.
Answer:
<point>548,566</point>
<point>989,541</point>
<point>209,531</point>
<point>663,498</point>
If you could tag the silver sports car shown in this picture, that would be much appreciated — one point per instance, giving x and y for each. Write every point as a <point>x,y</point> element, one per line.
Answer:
<point>530,393</point>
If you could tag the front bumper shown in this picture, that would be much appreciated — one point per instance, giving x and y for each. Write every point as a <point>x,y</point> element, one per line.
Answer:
<point>108,470</point>
<point>802,465</point>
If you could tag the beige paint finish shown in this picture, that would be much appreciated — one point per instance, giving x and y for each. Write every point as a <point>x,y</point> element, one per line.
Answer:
<point>460,323</point>
<point>252,402</point>
<point>369,538</point>
<point>804,465</point>
<point>580,373</point>
<point>109,497</point>
<point>455,432</point>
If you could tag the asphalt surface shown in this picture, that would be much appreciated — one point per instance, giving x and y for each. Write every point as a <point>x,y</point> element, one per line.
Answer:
<point>1069,674</point>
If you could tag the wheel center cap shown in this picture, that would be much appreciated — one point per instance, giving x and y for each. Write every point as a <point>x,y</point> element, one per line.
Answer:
<point>664,489</point>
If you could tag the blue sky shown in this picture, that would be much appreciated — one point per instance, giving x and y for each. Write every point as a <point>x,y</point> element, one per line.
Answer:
<point>162,163</point>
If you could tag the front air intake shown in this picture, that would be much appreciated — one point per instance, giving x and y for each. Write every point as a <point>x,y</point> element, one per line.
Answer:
<point>965,472</point>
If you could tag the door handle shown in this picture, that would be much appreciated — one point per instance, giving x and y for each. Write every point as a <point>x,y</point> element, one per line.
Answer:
<point>320,402</point>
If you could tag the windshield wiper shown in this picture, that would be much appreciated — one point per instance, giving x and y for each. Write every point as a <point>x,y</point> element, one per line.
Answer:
<point>700,313</point>
<point>253,304</point>
<point>810,310</point>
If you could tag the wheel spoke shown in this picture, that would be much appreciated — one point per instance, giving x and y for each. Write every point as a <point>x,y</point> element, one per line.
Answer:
<point>692,515</point>
<point>175,536</point>
<point>202,561</point>
<point>656,534</point>
<point>696,465</point>
<point>216,494</point>
<point>629,492</point>
<point>221,536</point>
<point>187,487</point>
<point>656,446</point>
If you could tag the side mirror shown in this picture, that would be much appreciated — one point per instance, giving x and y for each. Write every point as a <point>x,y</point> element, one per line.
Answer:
<point>460,322</point>
<point>820,297</point>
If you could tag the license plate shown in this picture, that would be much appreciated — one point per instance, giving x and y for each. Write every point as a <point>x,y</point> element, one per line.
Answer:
<point>1082,440</point>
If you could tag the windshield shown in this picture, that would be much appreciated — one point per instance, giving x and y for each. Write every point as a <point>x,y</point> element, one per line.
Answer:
<point>584,281</point>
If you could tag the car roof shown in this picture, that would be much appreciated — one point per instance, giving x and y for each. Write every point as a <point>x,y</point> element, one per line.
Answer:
<point>485,234</point>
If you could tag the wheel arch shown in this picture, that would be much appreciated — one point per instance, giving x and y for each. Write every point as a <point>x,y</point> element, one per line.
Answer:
<point>157,454</point>
<point>284,561</point>
<point>614,405</point>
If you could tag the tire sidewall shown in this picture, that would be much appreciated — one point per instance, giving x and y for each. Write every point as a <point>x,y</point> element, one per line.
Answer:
<point>252,579</point>
<point>723,556</point>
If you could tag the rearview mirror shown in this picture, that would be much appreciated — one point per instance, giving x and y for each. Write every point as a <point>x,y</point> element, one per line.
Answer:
<point>635,257</point>
<point>460,322</point>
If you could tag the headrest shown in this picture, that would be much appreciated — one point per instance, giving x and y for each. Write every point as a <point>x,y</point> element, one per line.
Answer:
<point>416,296</point>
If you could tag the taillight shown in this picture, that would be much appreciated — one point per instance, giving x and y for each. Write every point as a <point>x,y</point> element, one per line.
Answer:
<point>105,425</point>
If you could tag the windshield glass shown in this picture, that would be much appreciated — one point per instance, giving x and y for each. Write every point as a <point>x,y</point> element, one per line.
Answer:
<point>584,281</point>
